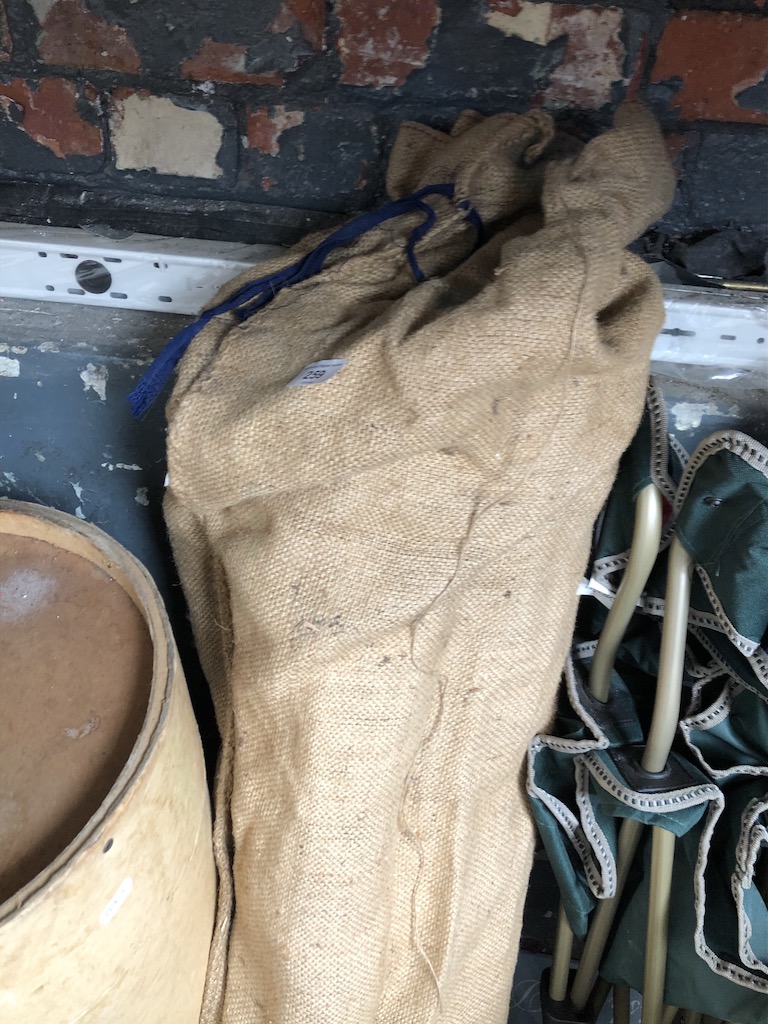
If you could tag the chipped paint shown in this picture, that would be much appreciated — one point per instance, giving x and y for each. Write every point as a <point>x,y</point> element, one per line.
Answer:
<point>48,346</point>
<point>18,350</point>
<point>77,488</point>
<point>74,36</point>
<point>142,496</point>
<point>41,8</point>
<point>151,133</point>
<point>307,15</point>
<point>121,465</point>
<point>594,54</point>
<point>688,415</point>
<point>9,367</point>
<point>593,58</point>
<point>264,128</point>
<point>84,730</point>
<point>529,21</point>
<point>225,62</point>
<point>79,512</point>
<point>10,477</point>
<point>50,116</point>
<point>6,45</point>
<point>95,378</point>
<point>382,43</point>
<point>712,89</point>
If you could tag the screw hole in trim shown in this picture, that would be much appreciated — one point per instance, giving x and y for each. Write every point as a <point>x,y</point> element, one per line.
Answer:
<point>93,276</point>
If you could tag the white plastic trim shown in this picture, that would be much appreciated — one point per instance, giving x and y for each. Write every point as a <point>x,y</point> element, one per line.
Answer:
<point>703,327</point>
<point>722,329</point>
<point>151,272</point>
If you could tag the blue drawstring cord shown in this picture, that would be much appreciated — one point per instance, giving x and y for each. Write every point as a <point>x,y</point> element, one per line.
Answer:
<point>256,294</point>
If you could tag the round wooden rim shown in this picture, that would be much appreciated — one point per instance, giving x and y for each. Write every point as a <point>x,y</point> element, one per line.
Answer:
<point>23,519</point>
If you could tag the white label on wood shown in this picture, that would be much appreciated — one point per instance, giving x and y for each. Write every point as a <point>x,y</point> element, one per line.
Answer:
<point>122,893</point>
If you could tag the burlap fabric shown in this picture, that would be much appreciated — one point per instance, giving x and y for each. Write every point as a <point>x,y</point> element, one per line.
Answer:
<point>382,568</point>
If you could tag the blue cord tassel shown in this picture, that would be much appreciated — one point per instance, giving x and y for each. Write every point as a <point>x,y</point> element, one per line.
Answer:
<point>155,378</point>
<point>256,294</point>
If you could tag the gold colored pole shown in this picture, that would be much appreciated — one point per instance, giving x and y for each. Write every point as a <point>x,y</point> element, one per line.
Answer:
<point>561,958</point>
<point>654,974</point>
<point>666,714</point>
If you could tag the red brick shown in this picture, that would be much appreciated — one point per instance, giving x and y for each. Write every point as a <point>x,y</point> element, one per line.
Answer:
<point>717,55</point>
<point>302,21</point>
<point>75,37</point>
<point>309,15</point>
<point>264,128</point>
<point>381,43</point>
<point>224,62</point>
<point>49,115</point>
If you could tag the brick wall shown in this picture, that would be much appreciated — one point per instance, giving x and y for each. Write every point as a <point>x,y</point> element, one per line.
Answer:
<point>293,103</point>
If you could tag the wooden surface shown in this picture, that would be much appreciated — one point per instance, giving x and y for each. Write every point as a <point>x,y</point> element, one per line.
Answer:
<point>77,670</point>
<point>116,927</point>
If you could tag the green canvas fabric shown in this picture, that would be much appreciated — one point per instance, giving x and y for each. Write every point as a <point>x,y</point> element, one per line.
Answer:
<point>723,524</point>
<point>728,879</point>
<point>717,503</point>
<point>583,866</point>
<point>719,917</point>
<point>729,737</point>
<point>579,793</point>
<point>690,981</point>
<point>610,797</point>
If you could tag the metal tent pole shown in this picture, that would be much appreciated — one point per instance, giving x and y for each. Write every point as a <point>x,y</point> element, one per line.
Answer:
<point>666,714</point>
<point>642,556</point>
